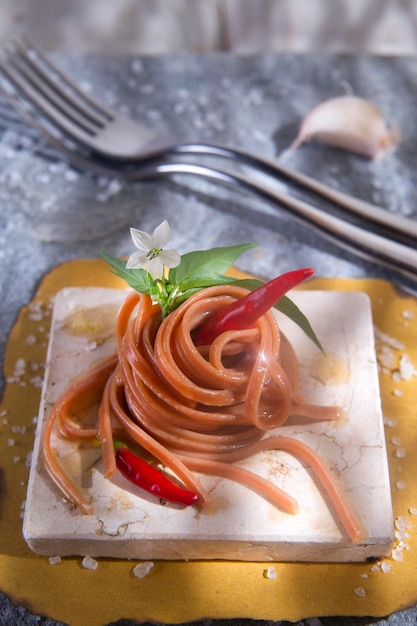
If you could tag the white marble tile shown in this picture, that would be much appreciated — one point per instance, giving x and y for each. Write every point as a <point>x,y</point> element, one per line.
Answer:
<point>243,525</point>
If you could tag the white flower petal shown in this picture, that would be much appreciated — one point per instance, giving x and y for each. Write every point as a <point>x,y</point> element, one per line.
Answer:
<point>142,240</point>
<point>161,235</point>
<point>170,258</point>
<point>136,260</point>
<point>155,267</point>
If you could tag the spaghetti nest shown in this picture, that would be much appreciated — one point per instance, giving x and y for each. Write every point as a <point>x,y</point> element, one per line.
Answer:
<point>196,408</point>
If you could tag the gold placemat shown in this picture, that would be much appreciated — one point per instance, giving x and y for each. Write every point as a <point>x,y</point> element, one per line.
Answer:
<point>175,592</point>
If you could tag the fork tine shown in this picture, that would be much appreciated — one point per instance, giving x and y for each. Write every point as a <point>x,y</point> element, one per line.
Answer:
<point>25,87</point>
<point>71,154</point>
<point>52,77</point>
<point>42,92</point>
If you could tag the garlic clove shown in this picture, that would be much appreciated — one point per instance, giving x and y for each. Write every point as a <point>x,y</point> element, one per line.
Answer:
<point>350,123</point>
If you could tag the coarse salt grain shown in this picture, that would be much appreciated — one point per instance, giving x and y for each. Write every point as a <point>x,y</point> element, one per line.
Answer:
<point>389,341</point>
<point>54,560</point>
<point>412,510</point>
<point>37,381</point>
<point>406,368</point>
<point>142,569</point>
<point>402,534</point>
<point>385,567</point>
<point>360,591</point>
<point>89,563</point>
<point>270,573</point>
<point>400,453</point>
<point>402,523</point>
<point>397,554</point>
<point>401,485</point>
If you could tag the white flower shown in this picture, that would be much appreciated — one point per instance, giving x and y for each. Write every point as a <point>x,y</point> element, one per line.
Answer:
<point>151,255</point>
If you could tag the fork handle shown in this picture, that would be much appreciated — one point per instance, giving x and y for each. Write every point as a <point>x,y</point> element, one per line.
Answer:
<point>392,254</point>
<point>405,227</point>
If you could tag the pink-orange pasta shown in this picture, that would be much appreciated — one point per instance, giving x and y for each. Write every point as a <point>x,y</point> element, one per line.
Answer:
<point>196,408</point>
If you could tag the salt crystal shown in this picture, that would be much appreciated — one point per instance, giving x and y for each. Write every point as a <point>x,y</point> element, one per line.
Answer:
<point>182,93</point>
<point>136,66</point>
<point>397,555</point>
<point>270,573</point>
<point>400,453</point>
<point>398,393</point>
<point>30,340</point>
<point>407,369</point>
<point>408,315</point>
<point>391,422</point>
<point>86,86</point>
<point>10,442</point>
<point>54,560</point>
<point>71,175</point>
<point>113,188</point>
<point>19,367</point>
<point>389,341</point>
<point>412,510</point>
<point>142,569</point>
<point>37,381</point>
<point>44,178</point>
<point>255,97</point>
<point>89,563</point>
<point>154,114</point>
<point>402,523</point>
<point>401,484</point>
<point>360,591</point>
<point>402,534</point>
<point>385,567</point>
<point>396,441</point>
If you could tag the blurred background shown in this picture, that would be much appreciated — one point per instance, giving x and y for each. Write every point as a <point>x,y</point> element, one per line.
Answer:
<point>240,26</point>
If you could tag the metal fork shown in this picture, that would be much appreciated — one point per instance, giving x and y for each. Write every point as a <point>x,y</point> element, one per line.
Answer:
<point>98,139</point>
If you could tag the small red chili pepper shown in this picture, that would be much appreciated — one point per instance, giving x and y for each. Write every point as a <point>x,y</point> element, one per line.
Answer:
<point>244,313</point>
<point>143,475</point>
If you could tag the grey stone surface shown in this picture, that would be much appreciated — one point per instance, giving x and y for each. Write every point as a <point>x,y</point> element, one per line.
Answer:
<point>50,213</point>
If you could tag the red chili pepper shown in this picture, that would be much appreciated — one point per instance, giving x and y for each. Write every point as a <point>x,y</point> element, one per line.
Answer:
<point>143,475</point>
<point>244,313</point>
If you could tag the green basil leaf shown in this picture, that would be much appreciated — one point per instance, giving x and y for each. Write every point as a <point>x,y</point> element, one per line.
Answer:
<point>138,279</point>
<point>203,268</point>
<point>291,310</point>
